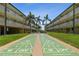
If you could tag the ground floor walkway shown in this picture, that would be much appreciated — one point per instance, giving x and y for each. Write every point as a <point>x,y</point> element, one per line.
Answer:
<point>39,44</point>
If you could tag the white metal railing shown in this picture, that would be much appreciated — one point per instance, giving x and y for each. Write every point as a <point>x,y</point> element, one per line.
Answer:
<point>14,15</point>
<point>15,24</point>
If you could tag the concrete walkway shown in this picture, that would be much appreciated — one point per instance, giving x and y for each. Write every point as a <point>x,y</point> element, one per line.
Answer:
<point>37,51</point>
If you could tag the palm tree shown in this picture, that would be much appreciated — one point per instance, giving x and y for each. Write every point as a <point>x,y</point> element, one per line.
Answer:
<point>30,18</point>
<point>38,21</point>
<point>43,22</point>
<point>46,18</point>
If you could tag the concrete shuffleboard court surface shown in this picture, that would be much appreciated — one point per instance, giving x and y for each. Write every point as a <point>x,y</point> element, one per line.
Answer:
<point>38,44</point>
<point>22,48</point>
<point>53,48</point>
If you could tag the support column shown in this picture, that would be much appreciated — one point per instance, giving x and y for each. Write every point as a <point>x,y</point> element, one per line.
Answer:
<point>5,27</point>
<point>74,18</point>
<point>0,30</point>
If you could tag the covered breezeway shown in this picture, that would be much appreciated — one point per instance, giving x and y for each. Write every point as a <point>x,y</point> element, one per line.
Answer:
<point>13,30</point>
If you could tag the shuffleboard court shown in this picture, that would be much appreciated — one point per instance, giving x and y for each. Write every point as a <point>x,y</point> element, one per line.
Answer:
<point>22,48</point>
<point>51,47</point>
<point>48,46</point>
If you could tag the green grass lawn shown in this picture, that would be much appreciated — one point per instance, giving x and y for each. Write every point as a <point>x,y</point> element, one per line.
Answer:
<point>72,39</point>
<point>4,39</point>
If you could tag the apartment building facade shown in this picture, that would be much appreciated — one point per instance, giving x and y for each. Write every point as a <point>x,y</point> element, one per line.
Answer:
<point>67,21</point>
<point>13,20</point>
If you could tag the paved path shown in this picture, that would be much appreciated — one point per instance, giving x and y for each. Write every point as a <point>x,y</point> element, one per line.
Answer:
<point>37,51</point>
<point>38,45</point>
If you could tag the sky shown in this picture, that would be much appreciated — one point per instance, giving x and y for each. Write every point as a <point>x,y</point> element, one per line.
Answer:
<point>52,9</point>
